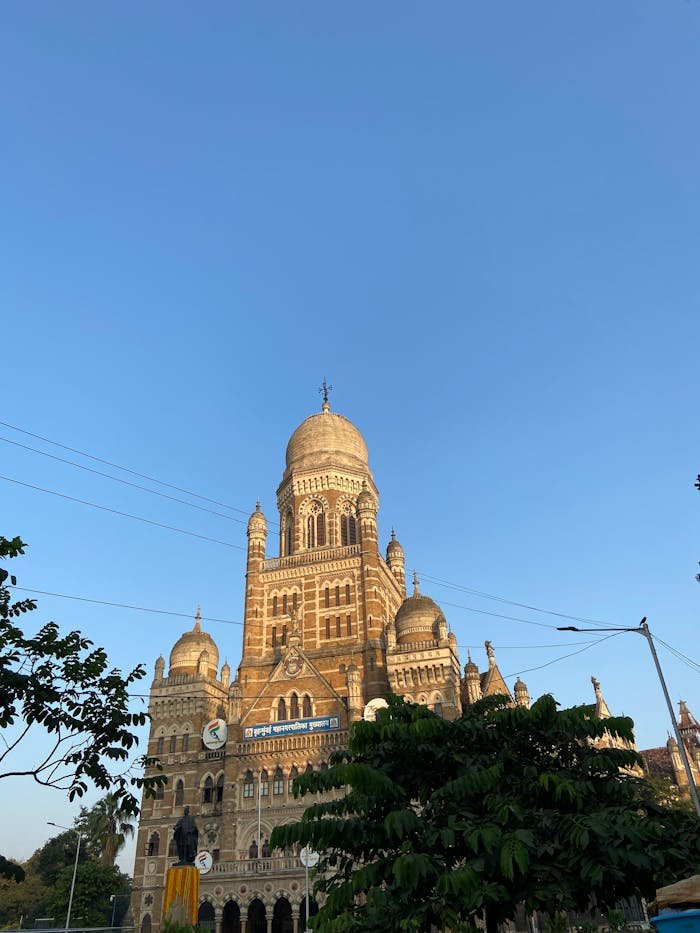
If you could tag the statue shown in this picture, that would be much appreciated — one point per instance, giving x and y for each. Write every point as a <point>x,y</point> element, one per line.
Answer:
<point>186,836</point>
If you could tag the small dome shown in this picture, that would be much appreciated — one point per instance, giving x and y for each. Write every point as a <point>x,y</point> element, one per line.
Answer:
<point>366,500</point>
<point>470,667</point>
<point>257,521</point>
<point>326,438</point>
<point>187,650</point>
<point>416,618</point>
<point>393,547</point>
<point>520,686</point>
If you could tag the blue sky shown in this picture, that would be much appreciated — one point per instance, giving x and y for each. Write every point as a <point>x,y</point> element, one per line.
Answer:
<point>478,220</point>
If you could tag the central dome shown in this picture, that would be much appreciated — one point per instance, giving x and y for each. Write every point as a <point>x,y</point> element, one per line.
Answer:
<point>326,439</point>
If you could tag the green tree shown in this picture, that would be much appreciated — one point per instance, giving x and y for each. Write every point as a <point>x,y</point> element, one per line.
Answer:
<point>431,822</point>
<point>63,685</point>
<point>107,827</point>
<point>94,886</point>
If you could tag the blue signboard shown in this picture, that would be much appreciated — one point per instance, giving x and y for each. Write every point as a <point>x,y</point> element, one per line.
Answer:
<point>275,730</point>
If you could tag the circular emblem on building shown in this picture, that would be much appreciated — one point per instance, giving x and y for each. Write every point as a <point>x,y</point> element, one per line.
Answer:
<point>214,734</point>
<point>204,861</point>
<point>293,665</point>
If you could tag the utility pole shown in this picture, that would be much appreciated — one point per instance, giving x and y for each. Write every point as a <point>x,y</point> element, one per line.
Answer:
<point>643,629</point>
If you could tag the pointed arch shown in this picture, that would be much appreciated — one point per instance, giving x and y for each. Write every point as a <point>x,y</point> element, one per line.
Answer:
<point>281,709</point>
<point>294,706</point>
<point>179,792</point>
<point>306,707</point>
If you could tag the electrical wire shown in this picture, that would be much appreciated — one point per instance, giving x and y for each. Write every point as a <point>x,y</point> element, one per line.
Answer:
<point>124,482</point>
<point>151,479</point>
<point>138,518</point>
<point>571,654</point>
<point>693,665</point>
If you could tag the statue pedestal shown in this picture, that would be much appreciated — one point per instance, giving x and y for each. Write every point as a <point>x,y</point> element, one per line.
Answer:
<point>181,900</point>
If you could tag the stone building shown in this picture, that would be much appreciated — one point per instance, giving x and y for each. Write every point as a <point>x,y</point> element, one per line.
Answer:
<point>329,630</point>
<point>666,763</point>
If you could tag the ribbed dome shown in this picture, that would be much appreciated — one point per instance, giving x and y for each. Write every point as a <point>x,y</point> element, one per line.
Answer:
<point>394,547</point>
<point>257,521</point>
<point>327,438</point>
<point>415,620</point>
<point>184,658</point>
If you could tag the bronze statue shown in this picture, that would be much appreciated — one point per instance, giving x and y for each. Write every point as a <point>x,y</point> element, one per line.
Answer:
<point>186,836</point>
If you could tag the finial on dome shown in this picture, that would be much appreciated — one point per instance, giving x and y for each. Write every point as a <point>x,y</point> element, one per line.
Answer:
<point>198,620</point>
<point>393,535</point>
<point>257,505</point>
<point>324,389</point>
<point>416,590</point>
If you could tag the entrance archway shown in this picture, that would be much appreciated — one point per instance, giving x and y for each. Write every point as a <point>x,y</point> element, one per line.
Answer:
<point>231,918</point>
<point>282,917</point>
<point>313,910</point>
<point>257,920</point>
<point>206,918</point>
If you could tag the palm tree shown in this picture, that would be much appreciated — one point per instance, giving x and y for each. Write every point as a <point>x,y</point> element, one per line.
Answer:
<point>107,826</point>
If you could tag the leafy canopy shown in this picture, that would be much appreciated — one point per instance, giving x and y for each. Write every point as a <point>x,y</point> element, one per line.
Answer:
<point>430,822</point>
<point>63,685</point>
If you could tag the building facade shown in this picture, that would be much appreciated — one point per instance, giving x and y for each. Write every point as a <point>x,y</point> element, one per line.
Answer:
<point>329,630</point>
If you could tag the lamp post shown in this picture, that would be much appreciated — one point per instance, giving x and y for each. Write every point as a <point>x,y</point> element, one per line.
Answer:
<point>113,898</point>
<point>75,866</point>
<point>643,629</point>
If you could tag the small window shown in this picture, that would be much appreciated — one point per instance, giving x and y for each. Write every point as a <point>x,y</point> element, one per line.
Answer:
<point>173,744</point>
<point>185,741</point>
<point>337,595</point>
<point>327,597</point>
<point>324,766</point>
<point>179,794</point>
<point>328,628</point>
<point>321,529</point>
<point>264,784</point>
<point>220,788</point>
<point>146,924</point>
<point>208,792</point>
<point>248,784</point>
<point>274,636</point>
<point>294,707</point>
<point>281,710</point>
<point>311,531</point>
<point>437,708</point>
<point>348,530</point>
<point>172,849</point>
<point>215,856</point>
<point>347,594</point>
<point>295,600</point>
<point>337,627</point>
<point>160,792</point>
<point>348,625</point>
<point>294,773</point>
<point>278,782</point>
<point>154,844</point>
<point>159,745</point>
<point>284,634</point>
<point>309,768</point>
<point>307,706</point>
<point>284,604</point>
<point>274,605</point>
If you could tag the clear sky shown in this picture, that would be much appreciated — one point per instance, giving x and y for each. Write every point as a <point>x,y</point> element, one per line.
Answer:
<point>478,220</point>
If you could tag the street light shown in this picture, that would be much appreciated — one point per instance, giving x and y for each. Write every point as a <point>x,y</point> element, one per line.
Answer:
<point>113,898</point>
<point>643,629</point>
<point>70,829</point>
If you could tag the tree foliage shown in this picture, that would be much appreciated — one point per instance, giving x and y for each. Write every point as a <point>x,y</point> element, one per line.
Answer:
<point>63,685</point>
<point>429,822</point>
<point>107,826</point>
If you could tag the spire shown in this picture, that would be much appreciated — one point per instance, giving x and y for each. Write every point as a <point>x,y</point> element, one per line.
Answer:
<point>198,620</point>
<point>324,389</point>
<point>416,590</point>
<point>257,505</point>
<point>490,653</point>
<point>393,535</point>
<point>601,707</point>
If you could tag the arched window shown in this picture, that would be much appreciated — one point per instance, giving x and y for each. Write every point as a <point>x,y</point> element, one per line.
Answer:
<point>159,745</point>
<point>288,534</point>
<point>306,711</point>
<point>172,849</point>
<point>264,784</point>
<point>160,792</point>
<point>437,709</point>
<point>185,741</point>
<point>146,924</point>
<point>348,527</point>
<point>284,604</point>
<point>316,526</point>
<point>294,707</point>
<point>294,773</point>
<point>309,768</point>
<point>179,793</point>
<point>327,596</point>
<point>154,844</point>
<point>281,710</point>
<point>248,784</point>
<point>208,792</point>
<point>324,766</point>
<point>220,788</point>
<point>173,744</point>
<point>278,782</point>
<point>274,605</point>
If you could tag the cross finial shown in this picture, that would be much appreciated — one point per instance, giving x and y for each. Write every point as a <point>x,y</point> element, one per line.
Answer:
<point>324,389</point>
<point>416,591</point>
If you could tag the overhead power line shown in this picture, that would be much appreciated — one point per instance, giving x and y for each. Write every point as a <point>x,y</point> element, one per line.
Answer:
<point>151,479</point>
<point>124,482</point>
<point>138,518</point>
<point>563,657</point>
